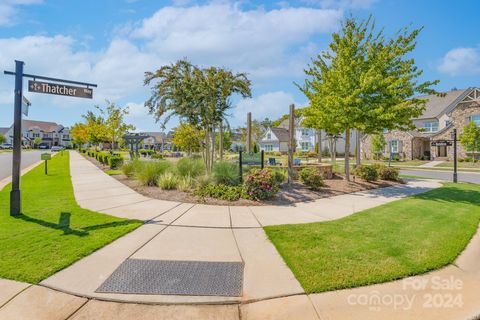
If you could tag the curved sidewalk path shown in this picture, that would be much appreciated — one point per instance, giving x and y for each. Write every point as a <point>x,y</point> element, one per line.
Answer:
<point>195,232</point>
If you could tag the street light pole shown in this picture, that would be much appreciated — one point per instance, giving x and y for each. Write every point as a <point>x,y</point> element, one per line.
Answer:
<point>15,197</point>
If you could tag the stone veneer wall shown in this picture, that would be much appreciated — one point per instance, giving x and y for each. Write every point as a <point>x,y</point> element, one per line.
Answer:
<point>404,153</point>
<point>458,117</point>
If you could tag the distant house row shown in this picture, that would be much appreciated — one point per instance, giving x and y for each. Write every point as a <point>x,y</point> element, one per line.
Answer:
<point>276,139</point>
<point>50,133</point>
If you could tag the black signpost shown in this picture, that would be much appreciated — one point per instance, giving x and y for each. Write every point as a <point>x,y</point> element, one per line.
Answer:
<point>249,158</point>
<point>449,143</point>
<point>51,87</point>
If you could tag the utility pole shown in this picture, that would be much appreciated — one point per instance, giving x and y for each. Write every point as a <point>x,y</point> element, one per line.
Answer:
<point>291,135</point>
<point>15,196</point>
<point>249,132</point>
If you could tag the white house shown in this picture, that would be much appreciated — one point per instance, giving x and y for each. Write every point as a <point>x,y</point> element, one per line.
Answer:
<point>51,133</point>
<point>276,139</point>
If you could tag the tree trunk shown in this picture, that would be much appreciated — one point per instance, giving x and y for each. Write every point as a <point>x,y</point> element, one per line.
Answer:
<point>213,144</point>
<point>358,147</point>
<point>347,154</point>
<point>319,144</point>
<point>220,142</point>
<point>291,141</point>
<point>207,149</point>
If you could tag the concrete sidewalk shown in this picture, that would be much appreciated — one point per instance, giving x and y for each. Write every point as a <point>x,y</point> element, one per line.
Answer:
<point>202,232</point>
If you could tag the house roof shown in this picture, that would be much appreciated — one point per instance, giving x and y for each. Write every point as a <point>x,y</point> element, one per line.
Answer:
<point>281,134</point>
<point>42,125</point>
<point>437,105</point>
<point>159,136</point>
<point>285,125</point>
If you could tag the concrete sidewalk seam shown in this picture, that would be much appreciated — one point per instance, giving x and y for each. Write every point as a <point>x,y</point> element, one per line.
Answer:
<point>14,296</point>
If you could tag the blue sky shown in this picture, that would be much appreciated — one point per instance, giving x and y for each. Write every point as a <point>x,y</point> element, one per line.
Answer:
<point>112,43</point>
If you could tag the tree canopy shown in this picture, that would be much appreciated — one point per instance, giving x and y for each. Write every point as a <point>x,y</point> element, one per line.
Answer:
<point>470,138</point>
<point>365,81</point>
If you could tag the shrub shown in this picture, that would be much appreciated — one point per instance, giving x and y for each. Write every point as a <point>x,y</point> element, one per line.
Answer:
<point>388,173</point>
<point>185,183</point>
<point>312,178</point>
<point>115,162</point>
<point>279,174</point>
<point>203,180</point>
<point>260,185</point>
<point>156,156</point>
<point>396,157</point>
<point>149,172</point>
<point>146,152</point>
<point>312,154</point>
<point>191,167</point>
<point>367,173</point>
<point>168,181</point>
<point>130,167</point>
<point>225,173</point>
<point>220,191</point>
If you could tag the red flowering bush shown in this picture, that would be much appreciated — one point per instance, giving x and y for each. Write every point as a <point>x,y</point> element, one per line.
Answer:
<point>260,184</point>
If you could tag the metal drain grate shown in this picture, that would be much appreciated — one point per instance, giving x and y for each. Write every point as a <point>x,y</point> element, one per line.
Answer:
<point>196,278</point>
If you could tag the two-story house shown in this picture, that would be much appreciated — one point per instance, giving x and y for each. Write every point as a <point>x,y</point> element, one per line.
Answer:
<point>50,133</point>
<point>276,139</point>
<point>454,109</point>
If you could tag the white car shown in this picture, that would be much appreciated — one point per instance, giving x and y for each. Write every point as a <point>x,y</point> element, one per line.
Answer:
<point>56,148</point>
<point>6,146</point>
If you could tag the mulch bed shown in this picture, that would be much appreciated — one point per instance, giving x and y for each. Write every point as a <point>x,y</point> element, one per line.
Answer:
<point>296,192</point>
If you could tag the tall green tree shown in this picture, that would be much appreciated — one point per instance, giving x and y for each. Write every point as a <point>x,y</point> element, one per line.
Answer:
<point>470,138</point>
<point>114,122</point>
<point>37,141</point>
<point>79,134</point>
<point>365,81</point>
<point>3,139</point>
<point>197,96</point>
<point>182,138</point>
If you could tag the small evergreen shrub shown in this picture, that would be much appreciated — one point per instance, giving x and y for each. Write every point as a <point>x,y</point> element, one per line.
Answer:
<point>312,178</point>
<point>149,172</point>
<point>168,181</point>
<point>367,173</point>
<point>115,162</point>
<point>260,185</point>
<point>157,156</point>
<point>225,173</point>
<point>192,167</point>
<point>220,191</point>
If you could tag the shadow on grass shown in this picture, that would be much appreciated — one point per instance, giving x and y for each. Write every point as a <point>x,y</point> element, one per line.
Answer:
<point>64,224</point>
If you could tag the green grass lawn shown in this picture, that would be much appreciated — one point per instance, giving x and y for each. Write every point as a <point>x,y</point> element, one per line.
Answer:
<point>53,231</point>
<point>467,165</point>
<point>403,238</point>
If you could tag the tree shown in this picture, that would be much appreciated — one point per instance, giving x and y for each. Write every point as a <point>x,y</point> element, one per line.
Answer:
<point>3,139</point>
<point>199,97</point>
<point>79,134</point>
<point>114,124</point>
<point>378,145</point>
<point>95,128</point>
<point>182,138</point>
<point>364,81</point>
<point>37,141</point>
<point>227,139</point>
<point>470,139</point>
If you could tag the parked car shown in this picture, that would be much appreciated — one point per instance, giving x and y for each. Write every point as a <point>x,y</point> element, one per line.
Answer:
<point>43,146</point>
<point>57,148</point>
<point>6,146</point>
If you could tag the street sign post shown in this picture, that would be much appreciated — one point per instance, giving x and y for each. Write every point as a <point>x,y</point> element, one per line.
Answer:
<point>46,157</point>
<point>84,91</point>
<point>441,143</point>
<point>455,173</point>
<point>249,158</point>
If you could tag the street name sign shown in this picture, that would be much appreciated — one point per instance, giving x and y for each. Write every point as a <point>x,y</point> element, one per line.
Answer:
<point>441,143</point>
<point>59,89</point>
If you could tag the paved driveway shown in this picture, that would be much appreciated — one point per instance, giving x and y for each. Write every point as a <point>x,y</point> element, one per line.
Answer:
<point>472,177</point>
<point>28,158</point>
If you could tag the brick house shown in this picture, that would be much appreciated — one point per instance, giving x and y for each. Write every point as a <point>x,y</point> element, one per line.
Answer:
<point>454,109</point>
<point>51,133</point>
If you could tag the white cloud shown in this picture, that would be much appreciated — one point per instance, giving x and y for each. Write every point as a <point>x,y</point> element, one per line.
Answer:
<point>270,105</point>
<point>461,61</point>
<point>9,9</point>
<point>343,4</point>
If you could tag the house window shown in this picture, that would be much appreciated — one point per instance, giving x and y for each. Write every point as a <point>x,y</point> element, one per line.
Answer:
<point>36,135</point>
<point>447,123</point>
<point>65,136</point>
<point>394,146</point>
<point>269,147</point>
<point>305,146</point>
<point>476,119</point>
<point>305,132</point>
<point>269,136</point>
<point>431,126</point>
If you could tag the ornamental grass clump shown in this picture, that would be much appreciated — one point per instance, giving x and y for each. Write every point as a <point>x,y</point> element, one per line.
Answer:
<point>185,184</point>
<point>260,185</point>
<point>225,173</point>
<point>149,172</point>
<point>191,167</point>
<point>129,168</point>
<point>168,181</point>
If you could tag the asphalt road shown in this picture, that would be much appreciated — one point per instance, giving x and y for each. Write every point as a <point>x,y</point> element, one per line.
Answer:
<point>472,177</point>
<point>28,158</point>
